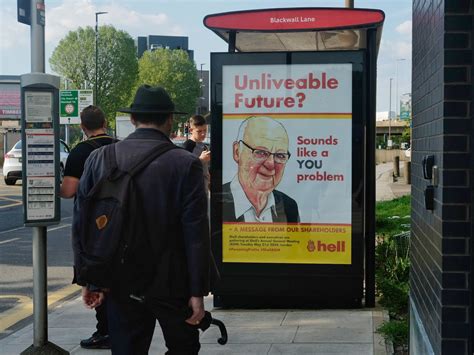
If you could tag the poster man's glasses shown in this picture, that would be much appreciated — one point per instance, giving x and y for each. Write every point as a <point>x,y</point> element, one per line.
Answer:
<point>261,155</point>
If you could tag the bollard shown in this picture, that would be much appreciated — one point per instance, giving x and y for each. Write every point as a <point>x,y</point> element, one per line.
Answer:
<point>407,172</point>
<point>396,166</point>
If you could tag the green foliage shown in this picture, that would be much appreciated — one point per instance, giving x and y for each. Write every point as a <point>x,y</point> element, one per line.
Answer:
<point>406,135</point>
<point>380,142</point>
<point>75,135</point>
<point>74,59</point>
<point>392,267</point>
<point>393,296</point>
<point>399,206</point>
<point>173,70</point>
<point>396,331</point>
<point>392,216</point>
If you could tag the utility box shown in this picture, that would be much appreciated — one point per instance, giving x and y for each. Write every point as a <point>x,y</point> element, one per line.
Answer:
<point>293,190</point>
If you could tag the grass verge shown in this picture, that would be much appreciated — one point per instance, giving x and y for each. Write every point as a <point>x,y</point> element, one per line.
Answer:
<point>392,264</point>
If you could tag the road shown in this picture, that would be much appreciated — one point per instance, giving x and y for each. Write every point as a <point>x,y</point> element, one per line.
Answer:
<point>16,272</point>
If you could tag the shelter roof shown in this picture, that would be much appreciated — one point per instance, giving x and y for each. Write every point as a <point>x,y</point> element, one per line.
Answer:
<point>296,29</point>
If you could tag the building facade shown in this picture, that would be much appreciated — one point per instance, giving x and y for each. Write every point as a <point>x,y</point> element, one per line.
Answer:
<point>442,219</point>
<point>152,42</point>
<point>10,112</point>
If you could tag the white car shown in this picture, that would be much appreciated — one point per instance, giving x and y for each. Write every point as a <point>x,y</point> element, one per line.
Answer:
<point>12,162</point>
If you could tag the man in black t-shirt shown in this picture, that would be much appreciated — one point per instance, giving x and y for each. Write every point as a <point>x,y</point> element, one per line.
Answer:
<point>93,124</point>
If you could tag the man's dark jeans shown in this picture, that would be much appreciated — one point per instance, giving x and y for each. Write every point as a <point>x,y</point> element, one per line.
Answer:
<point>131,326</point>
<point>101,316</point>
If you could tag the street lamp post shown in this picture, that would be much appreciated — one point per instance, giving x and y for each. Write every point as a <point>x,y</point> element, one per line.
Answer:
<point>390,115</point>
<point>96,96</point>
<point>201,84</point>
<point>397,101</point>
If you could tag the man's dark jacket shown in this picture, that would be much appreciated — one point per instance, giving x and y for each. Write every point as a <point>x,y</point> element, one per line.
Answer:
<point>175,204</point>
<point>285,207</point>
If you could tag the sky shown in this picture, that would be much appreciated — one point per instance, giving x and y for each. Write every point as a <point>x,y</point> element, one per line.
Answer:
<point>185,18</point>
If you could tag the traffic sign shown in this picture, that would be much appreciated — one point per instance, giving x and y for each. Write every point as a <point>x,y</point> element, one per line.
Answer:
<point>86,98</point>
<point>72,102</point>
<point>69,106</point>
<point>24,11</point>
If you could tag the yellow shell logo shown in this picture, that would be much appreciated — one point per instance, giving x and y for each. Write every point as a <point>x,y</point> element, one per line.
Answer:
<point>311,247</point>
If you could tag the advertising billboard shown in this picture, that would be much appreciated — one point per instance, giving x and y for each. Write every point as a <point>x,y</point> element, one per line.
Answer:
<point>405,107</point>
<point>287,177</point>
<point>287,163</point>
<point>10,101</point>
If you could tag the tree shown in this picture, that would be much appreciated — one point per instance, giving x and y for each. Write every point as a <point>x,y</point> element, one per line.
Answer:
<point>74,59</point>
<point>173,70</point>
<point>406,135</point>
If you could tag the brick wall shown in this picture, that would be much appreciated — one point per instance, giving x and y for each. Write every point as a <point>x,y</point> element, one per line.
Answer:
<point>442,99</point>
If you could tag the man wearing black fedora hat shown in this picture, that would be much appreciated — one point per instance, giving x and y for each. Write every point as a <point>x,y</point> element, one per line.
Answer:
<point>175,208</point>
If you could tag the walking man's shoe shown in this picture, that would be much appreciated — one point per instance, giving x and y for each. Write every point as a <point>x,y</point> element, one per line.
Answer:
<point>96,341</point>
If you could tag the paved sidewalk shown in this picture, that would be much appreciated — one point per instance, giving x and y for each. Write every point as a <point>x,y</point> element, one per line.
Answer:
<point>388,188</point>
<point>275,331</point>
<point>344,332</point>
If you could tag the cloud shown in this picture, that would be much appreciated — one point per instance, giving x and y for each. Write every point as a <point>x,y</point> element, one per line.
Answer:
<point>72,14</point>
<point>403,49</point>
<point>404,28</point>
<point>391,50</point>
<point>12,33</point>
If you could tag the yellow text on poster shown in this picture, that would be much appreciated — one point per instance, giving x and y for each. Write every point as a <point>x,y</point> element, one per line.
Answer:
<point>286,243</point>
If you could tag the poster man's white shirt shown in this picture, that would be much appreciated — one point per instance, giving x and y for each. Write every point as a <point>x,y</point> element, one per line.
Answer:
<point>243,206</point>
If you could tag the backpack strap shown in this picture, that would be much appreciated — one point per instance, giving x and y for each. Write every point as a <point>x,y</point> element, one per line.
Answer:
<point>95,144</point>
<point>111,159</point>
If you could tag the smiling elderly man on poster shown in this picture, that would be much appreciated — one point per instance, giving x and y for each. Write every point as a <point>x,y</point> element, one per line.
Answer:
<point>261,153</point>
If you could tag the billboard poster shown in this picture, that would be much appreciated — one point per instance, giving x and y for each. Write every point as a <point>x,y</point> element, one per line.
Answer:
<point>10,101</point>
<point>287,163</point>
<point>405,107</point>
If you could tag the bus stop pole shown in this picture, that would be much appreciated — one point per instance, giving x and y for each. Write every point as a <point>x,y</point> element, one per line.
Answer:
<point>40,295</point>
<point>37,39</point>
<point>40,322</point>
<point>371,62</point>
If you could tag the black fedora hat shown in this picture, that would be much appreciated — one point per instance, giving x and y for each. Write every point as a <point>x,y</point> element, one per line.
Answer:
<point>149,99</point>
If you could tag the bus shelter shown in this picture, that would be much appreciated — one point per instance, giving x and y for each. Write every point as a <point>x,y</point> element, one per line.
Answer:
<point>293,167</point>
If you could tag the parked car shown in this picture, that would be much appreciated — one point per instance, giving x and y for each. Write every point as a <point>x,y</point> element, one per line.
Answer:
<point>12,163</point>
